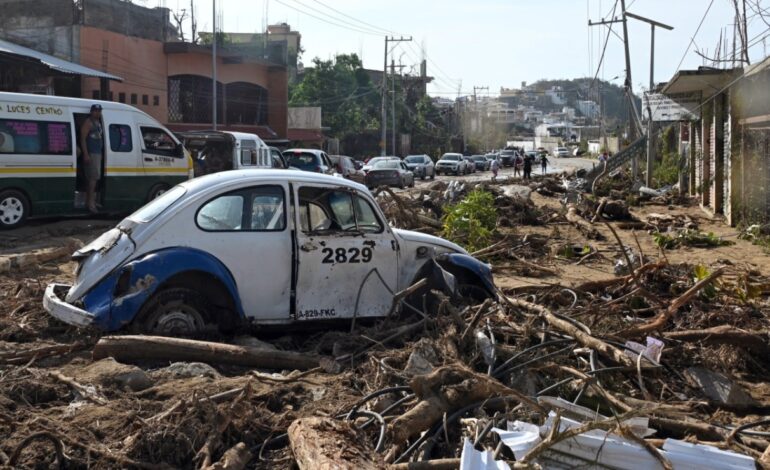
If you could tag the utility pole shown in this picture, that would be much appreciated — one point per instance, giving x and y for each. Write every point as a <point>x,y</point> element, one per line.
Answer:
<point>478,113</point>
<point>384,109</point>
<point>650,123</point>
<point>393,103</point>
<point>214,65</point>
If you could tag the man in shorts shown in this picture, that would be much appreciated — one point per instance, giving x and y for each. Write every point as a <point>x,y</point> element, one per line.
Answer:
<point>92,146</point>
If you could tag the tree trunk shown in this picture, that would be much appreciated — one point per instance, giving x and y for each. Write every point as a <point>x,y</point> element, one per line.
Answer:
<point>326,444</point>
<point>158,348</point>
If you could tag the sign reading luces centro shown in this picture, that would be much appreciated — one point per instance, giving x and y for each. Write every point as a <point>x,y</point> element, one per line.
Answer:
<point>671,107</point>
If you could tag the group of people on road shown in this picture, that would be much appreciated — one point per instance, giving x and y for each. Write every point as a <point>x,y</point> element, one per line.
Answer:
<point>522,165</point>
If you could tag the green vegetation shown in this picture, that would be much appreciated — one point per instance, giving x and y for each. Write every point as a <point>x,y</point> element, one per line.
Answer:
<point>688,237</point>
<point>666,170</point>
<point>471,221</point>
<point>757,236</point>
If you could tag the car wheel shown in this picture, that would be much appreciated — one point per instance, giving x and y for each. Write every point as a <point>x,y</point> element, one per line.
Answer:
<point>401,184</point>
<point>412,184</point>
<point>422,177</point>
<point>156,191</point>
<point>433,175</point>
<point>14,209</point>
<point>175,311</point>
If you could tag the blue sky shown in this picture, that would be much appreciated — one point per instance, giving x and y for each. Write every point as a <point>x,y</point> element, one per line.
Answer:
<point>495,43</point>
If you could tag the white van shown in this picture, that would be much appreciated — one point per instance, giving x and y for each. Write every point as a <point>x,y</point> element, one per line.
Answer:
<point>215,151</point>
<point>40,163</point>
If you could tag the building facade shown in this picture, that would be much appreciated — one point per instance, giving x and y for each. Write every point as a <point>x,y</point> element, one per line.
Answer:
<point>169,79</point>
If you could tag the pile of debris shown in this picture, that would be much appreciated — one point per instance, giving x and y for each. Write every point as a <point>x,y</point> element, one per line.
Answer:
<point>658,366</point>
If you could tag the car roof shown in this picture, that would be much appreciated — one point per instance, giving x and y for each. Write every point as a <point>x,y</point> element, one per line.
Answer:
<point>298,150</point>
<point>223,178</point>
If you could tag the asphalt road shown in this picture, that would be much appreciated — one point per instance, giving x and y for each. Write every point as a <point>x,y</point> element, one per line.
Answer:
<point>556,165</point>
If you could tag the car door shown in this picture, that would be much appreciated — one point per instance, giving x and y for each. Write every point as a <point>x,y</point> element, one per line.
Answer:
<point>248,231</point>
<point>346,255</point>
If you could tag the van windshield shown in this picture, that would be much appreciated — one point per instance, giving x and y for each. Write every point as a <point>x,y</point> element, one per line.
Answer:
<point>151,210</point>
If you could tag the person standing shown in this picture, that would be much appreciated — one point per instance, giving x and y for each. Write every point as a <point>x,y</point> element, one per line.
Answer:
<point>516,164</point>
<point>92,146</point>
<point>495,167</point>
<point>527,167</point>
<point>543,163</point>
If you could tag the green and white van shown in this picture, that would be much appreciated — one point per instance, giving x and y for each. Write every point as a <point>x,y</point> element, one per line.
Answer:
<point>40,158</point>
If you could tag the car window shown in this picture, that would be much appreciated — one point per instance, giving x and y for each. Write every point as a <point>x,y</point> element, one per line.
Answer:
<point>151,210</point>
<point>158,142</point>
<point>329,210</point>
<point>260,208</point>
<point>248,152</point>
<point>385,164</point>
<point>365,216</point>
<point>302,160</point>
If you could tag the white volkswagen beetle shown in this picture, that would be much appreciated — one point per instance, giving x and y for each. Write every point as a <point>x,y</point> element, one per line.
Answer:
<point>260,246</point>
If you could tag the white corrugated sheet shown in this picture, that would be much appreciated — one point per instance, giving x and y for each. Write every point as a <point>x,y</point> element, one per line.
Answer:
<point>54,62</point>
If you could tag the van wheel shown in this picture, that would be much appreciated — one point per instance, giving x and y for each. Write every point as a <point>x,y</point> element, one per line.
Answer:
<point>175,311</point>
<point>14,209</point>
<point>156,191</point>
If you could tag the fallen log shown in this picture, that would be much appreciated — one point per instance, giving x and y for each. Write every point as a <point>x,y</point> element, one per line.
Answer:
<point>326,444</point>
<point>156,348</point>
<point>444,390</point>
<point>581,224</point>
<point>235,458</point>
<point>436,464</point>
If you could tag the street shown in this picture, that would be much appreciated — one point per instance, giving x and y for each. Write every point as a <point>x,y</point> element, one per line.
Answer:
<point>555,166</point>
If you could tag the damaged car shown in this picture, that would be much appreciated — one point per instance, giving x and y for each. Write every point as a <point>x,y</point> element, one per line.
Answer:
<point>255,246</point>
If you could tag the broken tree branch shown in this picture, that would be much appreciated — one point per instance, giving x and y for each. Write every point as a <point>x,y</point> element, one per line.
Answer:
<point>157,348</point>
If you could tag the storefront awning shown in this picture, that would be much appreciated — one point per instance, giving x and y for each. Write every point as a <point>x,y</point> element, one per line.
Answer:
<point>706,81</point>
<point>54,63</point>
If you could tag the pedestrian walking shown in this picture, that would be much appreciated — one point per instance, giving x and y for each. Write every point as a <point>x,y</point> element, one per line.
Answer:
<point>543,163</point>
<point>517,164</point>
<point>495,167</point>
<point>92,147</point>
<point>527,167</point>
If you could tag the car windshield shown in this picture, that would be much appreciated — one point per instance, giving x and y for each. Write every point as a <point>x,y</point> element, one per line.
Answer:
<point>301,160</point>
<point>414,159</point>
<point>387,164</point>
<point>453,158</point>
<point>479,158</point>
<point>151,210</point>
<point>374,160</point>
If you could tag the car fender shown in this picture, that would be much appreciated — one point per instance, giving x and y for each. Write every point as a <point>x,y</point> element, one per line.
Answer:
<point>473,266</point>
<point>131,285</point>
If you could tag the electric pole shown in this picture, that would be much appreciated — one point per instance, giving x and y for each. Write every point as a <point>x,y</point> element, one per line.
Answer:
<point>393,103</point>
<point>479,119</point>
<point>650,123</point>
<point>384,109</point>
<point>214,65</point>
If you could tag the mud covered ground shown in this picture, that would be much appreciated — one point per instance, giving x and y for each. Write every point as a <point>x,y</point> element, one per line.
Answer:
<point>560,329</point>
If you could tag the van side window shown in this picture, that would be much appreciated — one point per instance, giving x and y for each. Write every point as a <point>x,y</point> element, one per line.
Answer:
<point>248,153</point>
<point>120,138</point>
<point>35,137</point>
<point>158,142</point>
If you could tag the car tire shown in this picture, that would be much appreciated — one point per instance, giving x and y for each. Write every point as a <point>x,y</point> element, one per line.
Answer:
<point>156,191</point>
<point>422,178</point>
<point>412,184</point>
<point>433,176</point>
<point>176,311</point>
<point>14,209</point>
<point>401,184</point>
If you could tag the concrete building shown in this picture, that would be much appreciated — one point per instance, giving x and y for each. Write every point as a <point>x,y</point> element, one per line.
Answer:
<point>588,108</point>
<point>726,160</point>
<point>167,78</point>
<point>557,95</point>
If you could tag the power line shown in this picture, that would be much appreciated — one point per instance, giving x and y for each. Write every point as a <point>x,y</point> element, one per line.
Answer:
<point>692,39</point>
<point>385,31</point>
<point>328,21</point>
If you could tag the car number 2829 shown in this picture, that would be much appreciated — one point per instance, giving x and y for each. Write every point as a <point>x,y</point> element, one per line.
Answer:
<point>346,255</point>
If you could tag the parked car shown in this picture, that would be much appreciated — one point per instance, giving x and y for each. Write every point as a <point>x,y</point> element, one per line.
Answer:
<point>471,165</point>
<point>390,173</point>
<point>508,157</point>
<point>348,168</point>
<point>313,160</point>
<point>421,165</point>
<point>451,163</point>
<point>219,251</point>
<point>490,157</point>
<point>481,163</point>
<point>370,163</point>
<point>561,152</point>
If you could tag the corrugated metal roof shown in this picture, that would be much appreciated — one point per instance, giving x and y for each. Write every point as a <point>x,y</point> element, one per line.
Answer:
<point>54,62</point>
